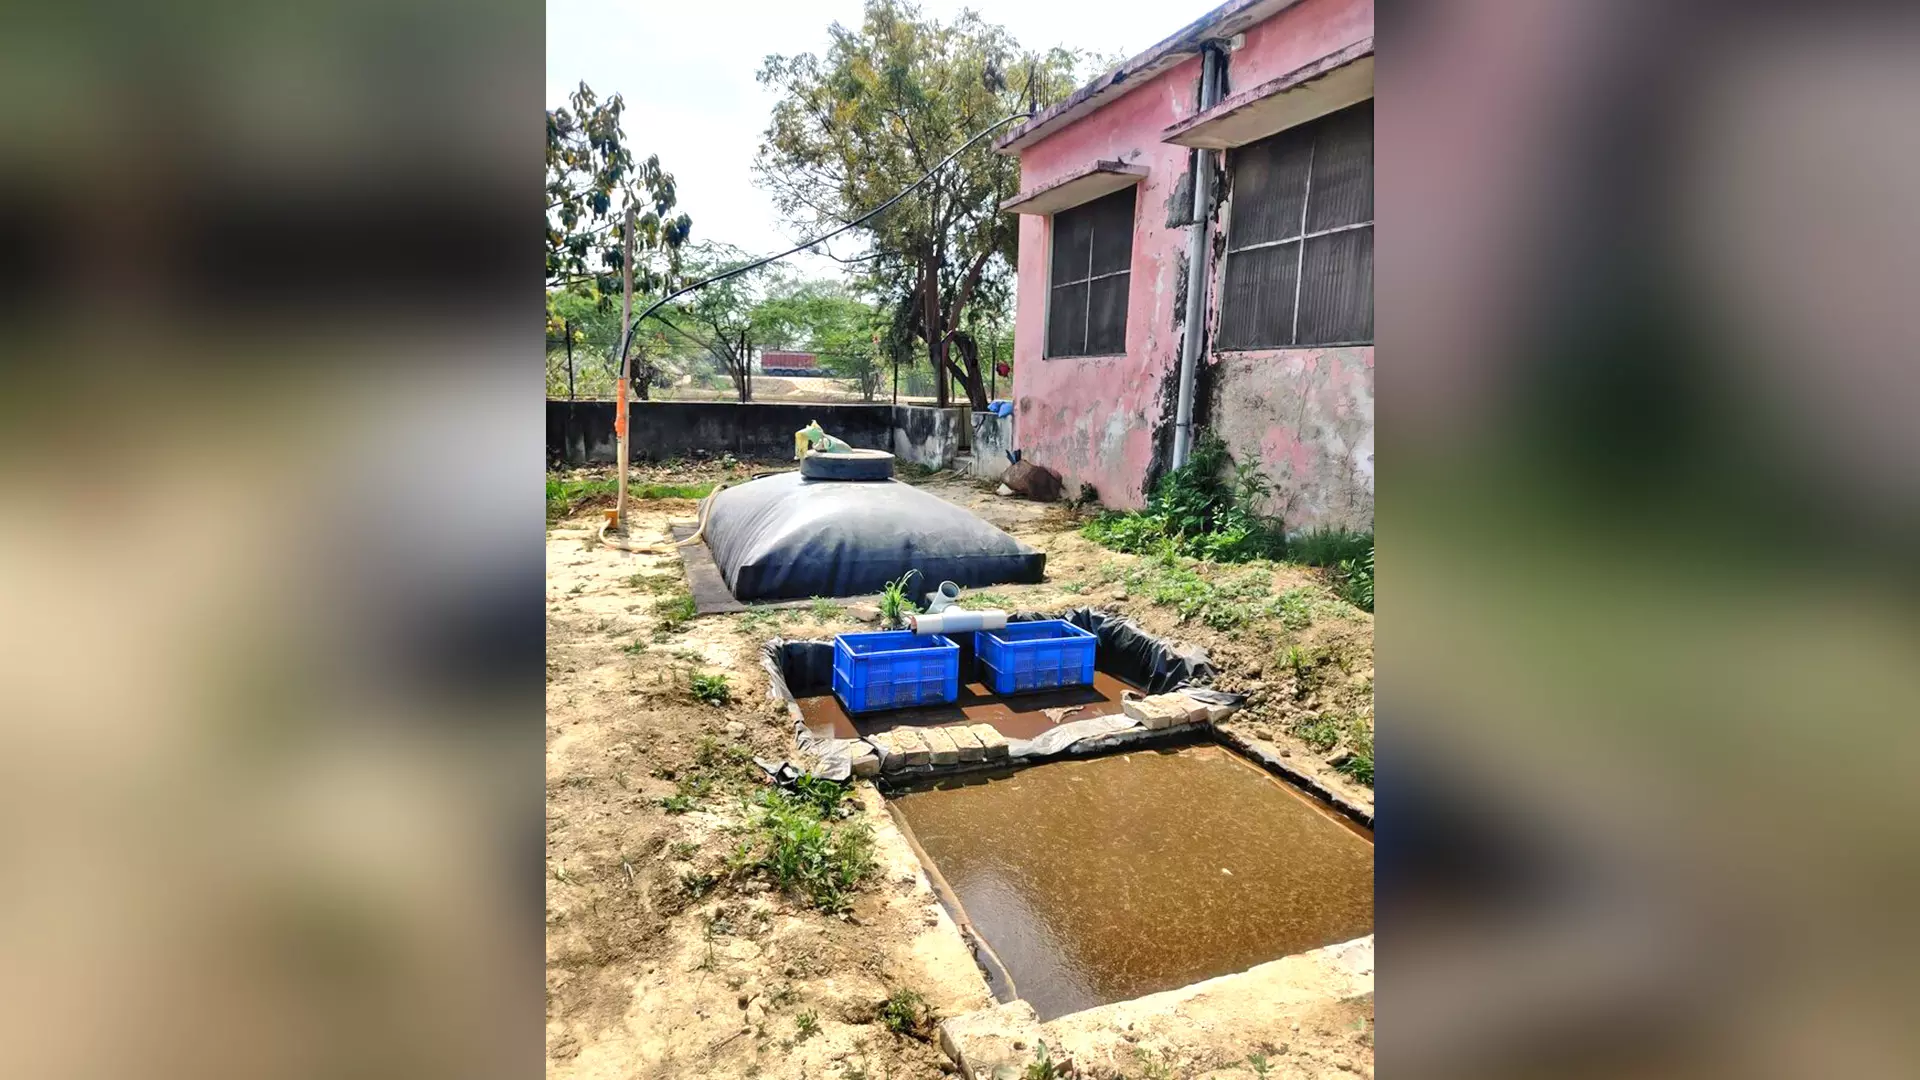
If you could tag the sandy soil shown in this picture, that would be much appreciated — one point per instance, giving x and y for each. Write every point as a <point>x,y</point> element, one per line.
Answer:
<point>647,978</point>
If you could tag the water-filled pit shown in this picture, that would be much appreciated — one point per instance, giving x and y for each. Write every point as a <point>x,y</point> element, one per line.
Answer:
<point>1098,880</point>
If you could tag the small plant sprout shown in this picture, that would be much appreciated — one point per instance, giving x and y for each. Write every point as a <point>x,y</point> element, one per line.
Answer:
<point>1042,1067</point>
<point>894,603</point>
<point>807,1023</point>
<point>711,688</point>
<point>903,1012</point>
<point>826,610</point>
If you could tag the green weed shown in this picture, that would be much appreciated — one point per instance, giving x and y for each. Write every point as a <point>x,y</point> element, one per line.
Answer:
<point>760,620</point>
<point>1042,1066</point>
<point>1353,579</point>
<point>634,647</point>
<point>1152,1067</point>
<point>983,600</point>
<point>1200,511</point>
<point>675,612</point>
<point>687,793</point>
<point>1261,1067</point>
<point>904,1012</point>
<point>713,689</point>
<point>805,854</point>
<point>807,1023</point>
<point>895,604</point>
<point>1075,587</point>
<point>826,610</point>
<point>1360,745</point>
<point>564,497</point>
<point>683,850</point>
<point>1328,547</point>
<point>669,491</point>
<point>653,583</point>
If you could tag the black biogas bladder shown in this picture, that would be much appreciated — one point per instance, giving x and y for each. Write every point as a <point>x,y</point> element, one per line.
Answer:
<point>788,536</point>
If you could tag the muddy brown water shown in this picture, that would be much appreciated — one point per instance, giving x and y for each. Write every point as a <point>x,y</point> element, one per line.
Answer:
<point>1103,879</point>
<point>1016,716</point>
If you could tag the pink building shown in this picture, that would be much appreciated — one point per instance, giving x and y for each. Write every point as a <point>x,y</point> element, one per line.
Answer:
<point>1270,104</point>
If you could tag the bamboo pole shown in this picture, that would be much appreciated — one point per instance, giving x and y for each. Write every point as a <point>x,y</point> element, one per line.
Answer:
<point>621,421</point>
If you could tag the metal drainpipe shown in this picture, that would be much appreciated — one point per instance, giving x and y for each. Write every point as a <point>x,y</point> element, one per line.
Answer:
<point>1210,62</point>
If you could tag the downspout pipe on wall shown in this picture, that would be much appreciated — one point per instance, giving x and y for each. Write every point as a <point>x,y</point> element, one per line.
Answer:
<point>1212,59</point>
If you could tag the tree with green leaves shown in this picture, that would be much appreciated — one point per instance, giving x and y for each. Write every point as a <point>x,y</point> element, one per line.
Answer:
<point>593,178</point>
<point>825,318</point>
<point>723,318</point>
<point>594,327</point>
<point>885,104</point>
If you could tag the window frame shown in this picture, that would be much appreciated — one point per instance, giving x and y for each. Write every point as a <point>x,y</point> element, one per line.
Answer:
<point>1087,279</point>
<point>1300,238</point>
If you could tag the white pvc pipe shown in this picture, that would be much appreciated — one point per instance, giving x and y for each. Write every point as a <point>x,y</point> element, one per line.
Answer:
<point>954,621</point>
<point>1211,62</point>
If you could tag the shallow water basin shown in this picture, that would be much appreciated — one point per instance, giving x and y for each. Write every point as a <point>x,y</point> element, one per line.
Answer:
<point>1099,880</point>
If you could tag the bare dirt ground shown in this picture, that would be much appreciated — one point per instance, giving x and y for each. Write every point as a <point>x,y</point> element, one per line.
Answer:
<point>659,964</point>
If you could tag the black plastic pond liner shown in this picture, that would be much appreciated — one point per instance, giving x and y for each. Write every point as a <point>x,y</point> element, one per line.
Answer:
<point>786,537</point>
<point>805,668</point>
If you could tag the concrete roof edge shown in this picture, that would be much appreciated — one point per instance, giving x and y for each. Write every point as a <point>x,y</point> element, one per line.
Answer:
<point>1230,18</point>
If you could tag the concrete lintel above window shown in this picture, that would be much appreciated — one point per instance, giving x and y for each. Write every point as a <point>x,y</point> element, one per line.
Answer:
<point>1084,186</point>
<point>1332,82</point>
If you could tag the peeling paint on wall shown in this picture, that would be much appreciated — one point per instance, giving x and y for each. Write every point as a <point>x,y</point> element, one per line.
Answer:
<point>1305,414</point>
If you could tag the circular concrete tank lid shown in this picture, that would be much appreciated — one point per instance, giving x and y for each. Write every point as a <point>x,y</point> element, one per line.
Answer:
<point>847,465</point>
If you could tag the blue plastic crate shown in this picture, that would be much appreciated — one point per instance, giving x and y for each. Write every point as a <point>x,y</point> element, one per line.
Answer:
<point>1042,655</point>
<point>894,669</point>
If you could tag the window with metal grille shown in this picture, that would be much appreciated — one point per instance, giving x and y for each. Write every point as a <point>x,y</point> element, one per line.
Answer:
<point>1087,290</point>
<point>1300,237</point>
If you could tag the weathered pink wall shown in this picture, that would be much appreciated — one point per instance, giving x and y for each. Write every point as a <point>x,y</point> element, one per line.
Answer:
<point>1306,414</point>
<point>1092,419</point>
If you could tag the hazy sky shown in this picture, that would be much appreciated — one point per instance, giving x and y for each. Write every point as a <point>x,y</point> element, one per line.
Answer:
<point>687,70</point>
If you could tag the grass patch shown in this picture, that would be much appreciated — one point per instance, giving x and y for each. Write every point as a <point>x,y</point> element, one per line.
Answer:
<point>809,854</point>
<point>687,793</point>
<point>1205,509</point>
<point>674,612</point>
<point>905,1012</point>
<point>1219,598</point>
<point>1328,547</point>
<point>1323,733</point>
<point>1208,509</point>
<point>761,620</point>
<point>1353,579</point>
<point>654,583</point>
<point>1360,765</point>
<point>669,491</point>
<point>826,610</point>
<point>564,497</point>
<point>713,689</point>
<point>986,600</point>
